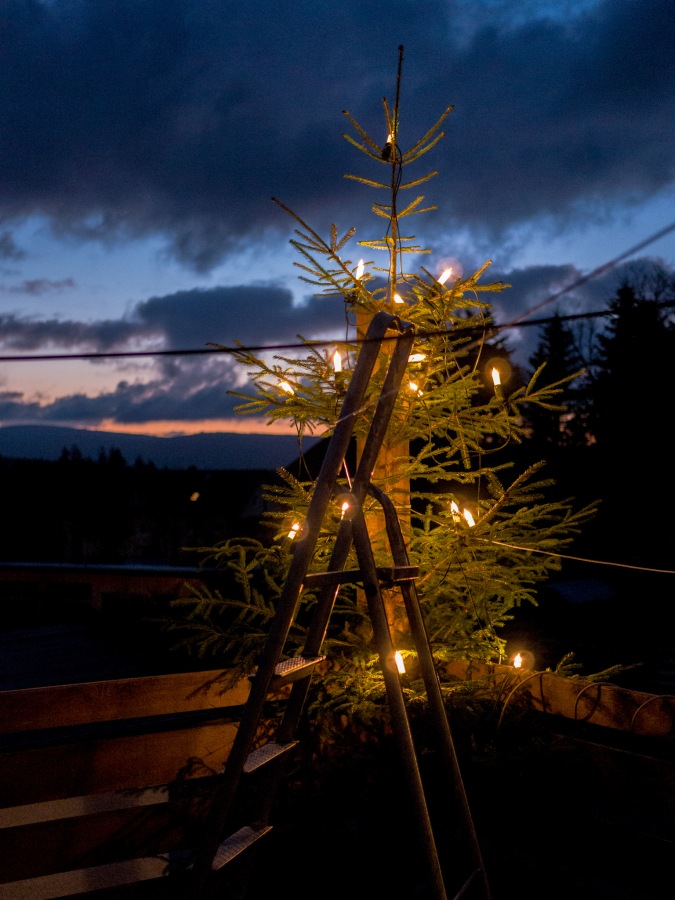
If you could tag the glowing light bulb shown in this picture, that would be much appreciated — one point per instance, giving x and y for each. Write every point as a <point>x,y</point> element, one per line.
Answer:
<point>497,381</point>
<point>398,299</point>
<point>469,518</point>
<point>386,150</point>
<point>522,659</point>
<point>344,508</point>
<point>400,665</point>
<point>285,386</point>
<point>358,274</point>
<point>295,528</point>
<point>417,357</point>
<point>454,509</point>
<point>337,361</point>
<point>445,274</point>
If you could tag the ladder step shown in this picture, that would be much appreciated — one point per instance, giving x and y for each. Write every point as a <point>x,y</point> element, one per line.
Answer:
<point>267,753</point>
<point>292,669</point>
<point>387,574</point>
<point>236,843</point>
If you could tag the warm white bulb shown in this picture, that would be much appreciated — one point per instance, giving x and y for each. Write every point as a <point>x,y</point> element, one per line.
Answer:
<point>400,665</point>
<point>417,357</point>
<point>285,386</point>
<point>398,299</point>
<point>358,274</point>
<point>445,274</point>
<point>469,518</point>
<point>337,361</point>
<point>496,379</point>
<point>295,528</point>
<point>517,661</point>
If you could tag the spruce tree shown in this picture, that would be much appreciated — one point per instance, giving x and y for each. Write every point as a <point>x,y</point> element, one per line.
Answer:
<point>633,359</point>
<point>629,378</point>
<point>557,361</point>
<point>483,534</point>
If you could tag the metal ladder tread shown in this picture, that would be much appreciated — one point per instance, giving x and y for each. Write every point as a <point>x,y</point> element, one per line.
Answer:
<point>386,574</point>
<point>266,753</point>
<point>292,669</point>
<point>236,843</point>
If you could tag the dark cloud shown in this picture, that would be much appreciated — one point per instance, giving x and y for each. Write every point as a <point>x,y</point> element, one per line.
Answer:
<point>193,388</point>
<point>538,292</point>
<point>187,388</point>
<point>8,247</point>
<point>183,119</point>
<point>175,400</point>
<point>248,314</point>
<point>183,390</point>
<point>36,286</point>
<point>186,320</point>
<point>27,333</point>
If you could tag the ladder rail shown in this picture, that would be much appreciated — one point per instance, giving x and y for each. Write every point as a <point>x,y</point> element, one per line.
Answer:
<point>301,560</point>
<point>268,762</point>
<point>432,686</point>
<point>360,484</point>
<point>396,703</point>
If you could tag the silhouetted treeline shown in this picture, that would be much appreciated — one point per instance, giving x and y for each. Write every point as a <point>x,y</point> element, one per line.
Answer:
<point>612,438</point>
<point>80,510</point>
<point>609,440</point>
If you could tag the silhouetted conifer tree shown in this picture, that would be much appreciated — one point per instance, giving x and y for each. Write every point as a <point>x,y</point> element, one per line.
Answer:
<point>557,363</point>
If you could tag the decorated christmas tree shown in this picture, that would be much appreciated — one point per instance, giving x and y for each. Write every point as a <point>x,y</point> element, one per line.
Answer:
<point>481,532</point>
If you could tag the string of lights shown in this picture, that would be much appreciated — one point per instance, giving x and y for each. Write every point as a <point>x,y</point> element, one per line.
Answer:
<point>520,321</point>
<point>490,329</point>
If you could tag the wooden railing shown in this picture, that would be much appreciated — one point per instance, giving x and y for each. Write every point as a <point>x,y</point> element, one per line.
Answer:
<point>99,787</point>
<point>89,793</point>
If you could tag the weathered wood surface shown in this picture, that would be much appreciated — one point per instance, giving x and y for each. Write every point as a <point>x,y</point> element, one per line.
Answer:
<point>597,703</point>
<point>95,785</point>
<point>76,768</point>
<point>99,778</point>
<point>104,701</point>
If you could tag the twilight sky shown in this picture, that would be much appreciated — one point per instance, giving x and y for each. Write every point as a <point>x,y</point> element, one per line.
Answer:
<point>141,142</point>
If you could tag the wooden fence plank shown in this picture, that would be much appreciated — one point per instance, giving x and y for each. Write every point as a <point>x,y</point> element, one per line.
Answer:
<point>45,848</point>
<point>596,703</point>
<point>110,879</point>
<point>104,701</point>
<point>74,769</point>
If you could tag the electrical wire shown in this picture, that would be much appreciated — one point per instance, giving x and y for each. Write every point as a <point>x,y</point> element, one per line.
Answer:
<point>493,328</point>
<point>595,562</point>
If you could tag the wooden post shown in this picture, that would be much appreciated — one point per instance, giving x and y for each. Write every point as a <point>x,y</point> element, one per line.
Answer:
<point>384,473</point>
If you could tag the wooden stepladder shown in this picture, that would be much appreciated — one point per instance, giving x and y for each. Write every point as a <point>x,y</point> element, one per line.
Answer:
<point>265,765</point>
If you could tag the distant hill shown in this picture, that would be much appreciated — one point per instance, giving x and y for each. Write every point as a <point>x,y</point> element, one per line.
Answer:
<point>203,451</point>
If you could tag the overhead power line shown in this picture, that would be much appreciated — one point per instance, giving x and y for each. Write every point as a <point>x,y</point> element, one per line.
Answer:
<point>518,321</point>
<point>599,271</point>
